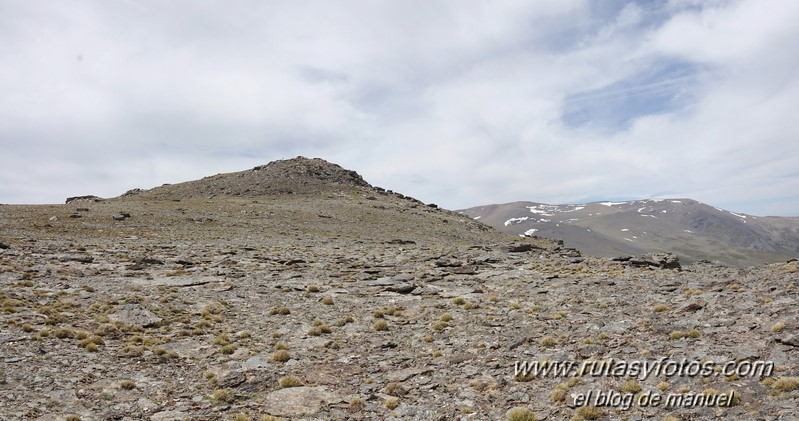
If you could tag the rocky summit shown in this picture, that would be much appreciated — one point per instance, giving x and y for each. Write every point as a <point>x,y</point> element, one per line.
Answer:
<point>290,176</point>
<point>297,291</point>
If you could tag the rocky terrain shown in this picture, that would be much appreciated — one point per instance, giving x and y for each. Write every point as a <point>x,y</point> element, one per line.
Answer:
<point>297,291</point>
<point>692,230</point>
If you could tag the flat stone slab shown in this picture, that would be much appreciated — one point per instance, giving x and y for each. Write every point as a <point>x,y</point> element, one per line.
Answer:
<point>299,401</point>
<point>176,281</point>
<point>169,416</point>
<point>406,373</point>
<point>135,315</point>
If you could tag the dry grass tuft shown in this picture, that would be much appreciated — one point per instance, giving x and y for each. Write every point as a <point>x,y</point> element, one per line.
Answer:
<point>289,381</point>
<point>783,385</point>
<point>588,413</point>
<point>223,395</point>
<point>281,355</point>
<point>521,413</point>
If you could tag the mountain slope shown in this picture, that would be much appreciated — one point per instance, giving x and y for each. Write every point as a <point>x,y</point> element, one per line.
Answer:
<point>692,230</point>
<point>285,198</point>
<point>209,300</point>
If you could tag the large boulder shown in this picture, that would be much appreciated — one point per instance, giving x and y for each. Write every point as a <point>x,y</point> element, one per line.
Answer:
<point>658,260</point>
<point>88,198</point>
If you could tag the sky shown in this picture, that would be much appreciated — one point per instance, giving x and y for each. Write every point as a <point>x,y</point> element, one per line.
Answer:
<point>459,103</point>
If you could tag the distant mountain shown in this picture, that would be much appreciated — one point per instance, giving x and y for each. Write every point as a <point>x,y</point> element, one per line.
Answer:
<point>692,230</point>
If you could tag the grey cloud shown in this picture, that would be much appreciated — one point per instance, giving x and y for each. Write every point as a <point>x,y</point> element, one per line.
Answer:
<point>460,103</point>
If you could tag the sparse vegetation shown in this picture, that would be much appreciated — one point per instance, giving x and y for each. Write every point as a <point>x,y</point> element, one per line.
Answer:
<point>630,386</point>
<point>289,381</point>
<point>392,403</point>
<point>439,326</point>
<point>357,404</point>
<point>521,414</point>
<point>677,334</point>
<point>547,341</point>
<point>660,308</point>
<point>694,333</point>
<point>283,311</point>
<point>559,394</point>
<point>588,413</point>
<point>784,385</point>
<point>281,355</point>
<point>222,339</point>
<point>63,333</point>
<point>394,389</point>
<point>131,351</point>
<point>380,325</point>
<point>91,343</point>
<point>223,395</point>
<point>319,328</point>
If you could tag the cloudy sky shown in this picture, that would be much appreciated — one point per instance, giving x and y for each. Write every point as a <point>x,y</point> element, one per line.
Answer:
<point>461,103</point>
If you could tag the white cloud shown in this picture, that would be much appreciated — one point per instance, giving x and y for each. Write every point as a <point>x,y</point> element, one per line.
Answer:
<point>458,103</point>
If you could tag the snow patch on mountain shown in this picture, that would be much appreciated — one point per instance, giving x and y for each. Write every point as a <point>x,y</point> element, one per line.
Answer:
<point>514,221</point>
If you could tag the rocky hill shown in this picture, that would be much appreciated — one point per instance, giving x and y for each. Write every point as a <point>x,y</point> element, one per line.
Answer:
<point>290,176</point>
<point>298,292</point>
<point>692,230</point>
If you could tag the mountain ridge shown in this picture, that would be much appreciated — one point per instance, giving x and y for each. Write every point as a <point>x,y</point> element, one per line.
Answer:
<point>693,230</point>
